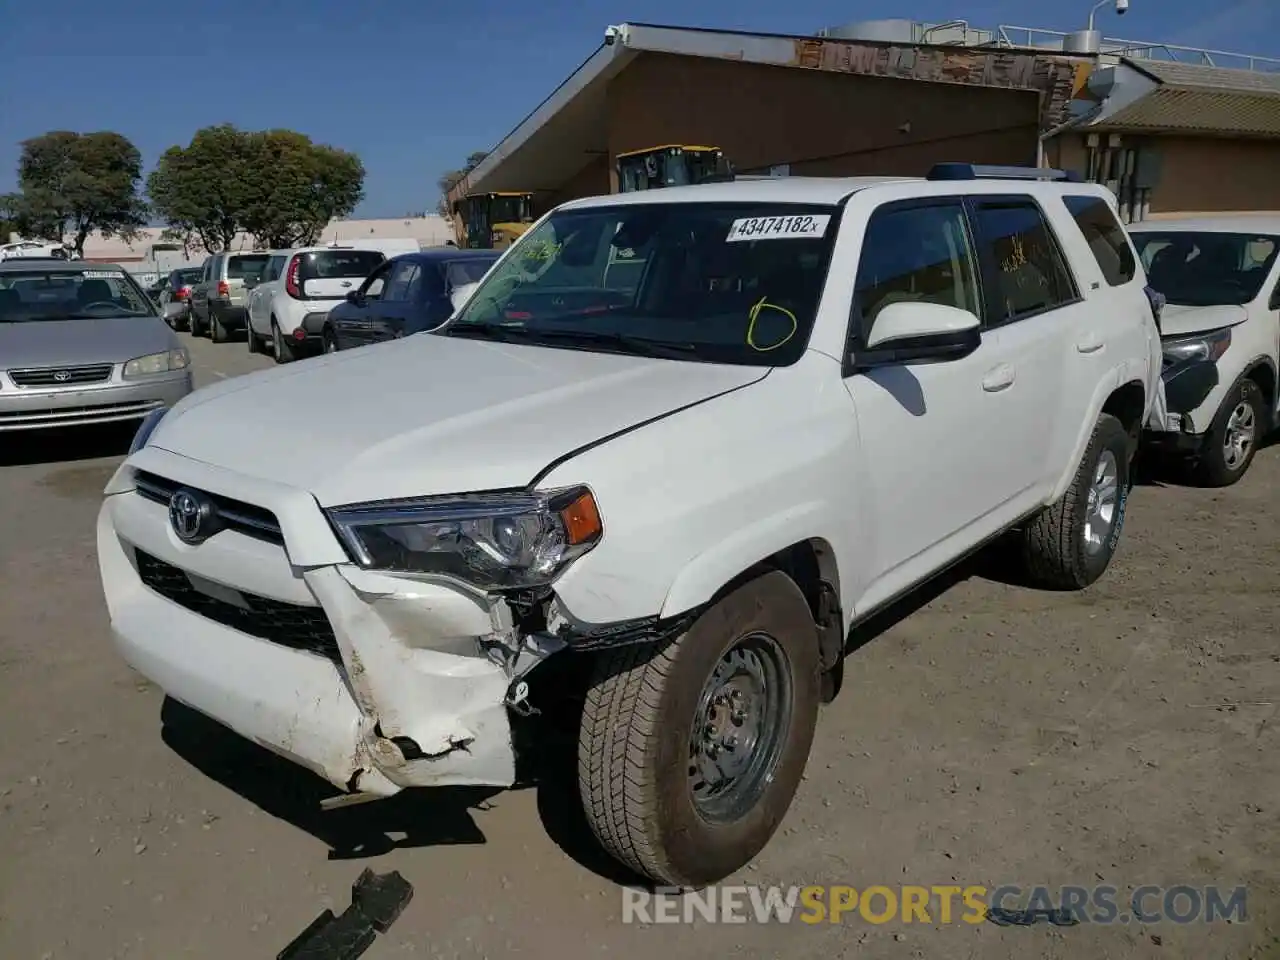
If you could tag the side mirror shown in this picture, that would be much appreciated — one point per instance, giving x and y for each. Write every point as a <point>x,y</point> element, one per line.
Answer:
<point>916,332</point>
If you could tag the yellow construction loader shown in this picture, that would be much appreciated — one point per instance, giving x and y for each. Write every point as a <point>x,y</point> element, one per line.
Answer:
<point>673,165</point>
<point>484,221</point>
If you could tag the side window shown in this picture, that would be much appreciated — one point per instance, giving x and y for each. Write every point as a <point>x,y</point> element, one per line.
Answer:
<point>1028,273</point>
<point>377,281</point>
<point>402,274</point>
<point>208,271</point>
<point>1105,236</point>
<point>916,252</point>
<point>414,291</point>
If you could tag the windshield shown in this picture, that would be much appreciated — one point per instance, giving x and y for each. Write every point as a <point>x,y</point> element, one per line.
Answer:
<point>1206,269</point>
<point>509,210</point>
<point>727,283</point>
<point>459,272</point>
<point>62,294</point>
<point>247,267</point>
<point>335,264</point>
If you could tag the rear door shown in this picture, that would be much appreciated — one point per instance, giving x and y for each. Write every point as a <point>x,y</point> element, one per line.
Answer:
<point>260,295</point>
<point>332,274</point>
<point>1033,308</point>
<point>200,293</point>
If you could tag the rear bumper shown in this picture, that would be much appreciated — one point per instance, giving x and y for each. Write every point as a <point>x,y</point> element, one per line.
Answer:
<point>35,409</point>
<point>230,315</point>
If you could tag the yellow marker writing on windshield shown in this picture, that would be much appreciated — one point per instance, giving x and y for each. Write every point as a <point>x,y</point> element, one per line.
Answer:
<point>753,315</point>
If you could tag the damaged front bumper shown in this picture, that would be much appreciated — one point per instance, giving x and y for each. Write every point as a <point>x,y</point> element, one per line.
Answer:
<point>374,682</point>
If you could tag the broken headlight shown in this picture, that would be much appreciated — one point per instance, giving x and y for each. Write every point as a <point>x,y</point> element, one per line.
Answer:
<point>498,541</point>
<point>1200,346</point>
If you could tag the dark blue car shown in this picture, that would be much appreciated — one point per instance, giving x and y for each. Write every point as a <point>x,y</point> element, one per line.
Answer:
<point>408,293</point>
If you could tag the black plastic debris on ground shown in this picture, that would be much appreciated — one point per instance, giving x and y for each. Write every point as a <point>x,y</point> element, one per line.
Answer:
<point>377,899</point>
<point>1058,917</point>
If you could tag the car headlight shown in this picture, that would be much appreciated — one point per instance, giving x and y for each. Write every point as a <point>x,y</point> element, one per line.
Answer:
<point>497,541</point>
<point>154,363</point>
<point>146,428</point>
<point>1202,346</point>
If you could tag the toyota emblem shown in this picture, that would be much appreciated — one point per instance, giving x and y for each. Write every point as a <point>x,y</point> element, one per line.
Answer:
<point>192,516</point>
<point>62,376</point>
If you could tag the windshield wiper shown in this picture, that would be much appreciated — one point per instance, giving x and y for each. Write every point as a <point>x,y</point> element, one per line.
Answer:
<point>643,346</point>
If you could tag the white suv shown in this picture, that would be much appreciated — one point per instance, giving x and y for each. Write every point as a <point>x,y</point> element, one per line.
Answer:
<point>297,289</point>
<point>1221,329</point>
<point>685,437</point>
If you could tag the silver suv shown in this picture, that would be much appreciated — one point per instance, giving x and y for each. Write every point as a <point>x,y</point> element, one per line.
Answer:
<point>220,301</point>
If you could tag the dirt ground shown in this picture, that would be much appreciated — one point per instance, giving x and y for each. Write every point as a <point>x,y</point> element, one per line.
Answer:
<point>1125,735</point>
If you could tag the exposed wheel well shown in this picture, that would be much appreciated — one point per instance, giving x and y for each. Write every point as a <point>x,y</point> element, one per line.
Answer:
<point>1127,404</point>
<point>812,565</point>
<point>1264,375</point>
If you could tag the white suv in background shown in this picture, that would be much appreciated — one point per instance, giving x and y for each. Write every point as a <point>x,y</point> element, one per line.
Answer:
<point>1221,331</point>
<point>298,288</point>
<point>801,399</point>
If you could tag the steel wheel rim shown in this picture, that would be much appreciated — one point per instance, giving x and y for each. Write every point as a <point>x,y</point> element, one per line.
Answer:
<point>1238,441</point>
<point>1102,504</point>
<point>739,729</point>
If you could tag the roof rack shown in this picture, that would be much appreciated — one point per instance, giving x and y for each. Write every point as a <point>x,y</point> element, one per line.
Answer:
<point>973,171</point>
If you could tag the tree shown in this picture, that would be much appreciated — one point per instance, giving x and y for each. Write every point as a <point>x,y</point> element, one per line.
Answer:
<point>299,187</point>
<point>200,190</point>
<point>77,183</point>
<point>274,184</point>
<point>449,180</point>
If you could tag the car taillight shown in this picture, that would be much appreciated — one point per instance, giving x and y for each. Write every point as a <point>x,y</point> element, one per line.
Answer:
<point>291,278</point>
<point>224,288</point>
<point>184,293</point>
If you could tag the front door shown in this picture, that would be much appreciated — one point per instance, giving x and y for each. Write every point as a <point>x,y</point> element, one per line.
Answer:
<point>928,480</point>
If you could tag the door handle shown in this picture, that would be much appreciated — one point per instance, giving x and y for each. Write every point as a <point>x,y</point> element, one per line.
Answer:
<point>1091,343</point>
<point>999,378</point>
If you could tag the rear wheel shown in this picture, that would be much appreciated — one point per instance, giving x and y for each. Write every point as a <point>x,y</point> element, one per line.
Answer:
<point>217,331</point>
<point>691,748</point>
<point>1070,544</point>
<point>281,348</point>
<point>251,338</point>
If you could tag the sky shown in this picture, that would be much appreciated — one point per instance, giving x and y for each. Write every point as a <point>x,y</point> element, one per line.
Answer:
<point>413,86</point>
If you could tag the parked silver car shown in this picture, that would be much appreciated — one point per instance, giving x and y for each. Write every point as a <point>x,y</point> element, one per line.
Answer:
<point>220,300</point>
<point>80,343</point>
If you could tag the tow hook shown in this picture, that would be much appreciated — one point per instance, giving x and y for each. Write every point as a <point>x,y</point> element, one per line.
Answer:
<point>518,699</point>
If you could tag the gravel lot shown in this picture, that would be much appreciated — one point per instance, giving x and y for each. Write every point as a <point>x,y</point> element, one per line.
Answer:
<point>994,734</point>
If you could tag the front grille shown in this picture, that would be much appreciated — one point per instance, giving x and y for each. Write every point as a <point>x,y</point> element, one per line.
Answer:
<point>287,624</point>
<point>237,515</point>
<point>60,376</point>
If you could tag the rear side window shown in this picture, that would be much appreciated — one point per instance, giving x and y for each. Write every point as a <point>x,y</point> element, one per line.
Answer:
<point>1105,236</point>
<point>248,267</point>
<point>346,264</point>
<point>1027,269</point>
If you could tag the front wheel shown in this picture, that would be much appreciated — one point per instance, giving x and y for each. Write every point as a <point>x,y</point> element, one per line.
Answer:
<point>330,342</point>
<point>1233,438</point>
<point>691,748</point>
<point>1071,543</point>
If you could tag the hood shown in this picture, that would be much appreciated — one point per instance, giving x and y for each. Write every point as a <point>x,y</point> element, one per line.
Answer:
<point>429,415</point>
<point>58,343</point>
<point>1177,320</point>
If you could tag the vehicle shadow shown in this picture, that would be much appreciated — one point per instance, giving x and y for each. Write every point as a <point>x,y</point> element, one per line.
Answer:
<point>414,818</point>
<point>23,448</point>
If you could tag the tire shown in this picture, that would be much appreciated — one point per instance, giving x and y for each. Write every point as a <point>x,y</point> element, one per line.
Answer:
<point>1071,543</point>
<point>636,759</point>
<point>217,332</point>
<point>330,342</point>
<point>281,349</point>
<point>197,327</point>
<point>1238,427</point>
<point>251,339</point>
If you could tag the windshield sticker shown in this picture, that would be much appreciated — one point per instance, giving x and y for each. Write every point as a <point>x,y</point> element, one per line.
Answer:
<point>103,275</point>
<point>778,228</point>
